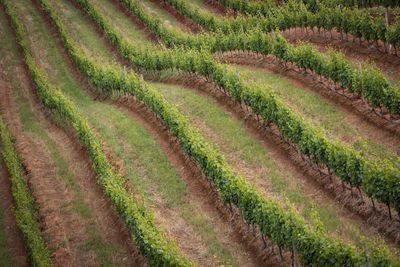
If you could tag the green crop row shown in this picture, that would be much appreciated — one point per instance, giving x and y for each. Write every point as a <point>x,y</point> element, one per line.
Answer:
<point>24,210</point>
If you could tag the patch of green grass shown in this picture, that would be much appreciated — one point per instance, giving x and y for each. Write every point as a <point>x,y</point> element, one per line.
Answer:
<point>5,253</point>
<point>121,22</point>
<point>81,207</point>
<point>97,244</point>
<point>165,18</point>
<point>83,32</point>
<point>202,7</point>
<point>203,225</point>
<point>233,139</point>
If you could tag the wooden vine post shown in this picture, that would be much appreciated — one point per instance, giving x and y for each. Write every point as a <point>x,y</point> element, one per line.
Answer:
<point>387,25</point>
<point>361,84</point>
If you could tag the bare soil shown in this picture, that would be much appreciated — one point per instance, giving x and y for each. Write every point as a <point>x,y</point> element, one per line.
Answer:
<point>220,9</point>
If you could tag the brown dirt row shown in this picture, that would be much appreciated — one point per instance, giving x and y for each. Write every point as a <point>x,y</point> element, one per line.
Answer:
<point>14,237</point>
<point>63,230</point>
<point>251,248</point>
<point>220,9</point>
<point>357,209</point>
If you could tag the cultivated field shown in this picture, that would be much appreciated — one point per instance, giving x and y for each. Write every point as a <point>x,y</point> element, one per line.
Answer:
<point>199,133</point>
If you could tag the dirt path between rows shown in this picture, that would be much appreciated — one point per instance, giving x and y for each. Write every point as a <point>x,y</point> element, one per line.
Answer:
<point>220,9</point>
<point>63,230</point>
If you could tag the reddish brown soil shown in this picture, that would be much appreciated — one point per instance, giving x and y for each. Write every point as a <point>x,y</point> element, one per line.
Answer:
<point>389,64</point>
<point>61,227</point>
<point>14,237</point>
<point>220,9</point>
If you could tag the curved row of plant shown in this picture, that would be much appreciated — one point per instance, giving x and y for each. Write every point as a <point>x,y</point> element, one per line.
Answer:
<point>24,209</point>
<point>139,221</point>
<point>371,83</point>
<point>315,14</point>
<point>284,227</point>
<point>264,7</point>
<point>380,181</point>
<point>357,3</point>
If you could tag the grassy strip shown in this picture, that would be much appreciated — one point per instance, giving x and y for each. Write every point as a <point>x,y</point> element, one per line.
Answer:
<point>24,210</point>
<point>286,228</point>
<point>152,243</point>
